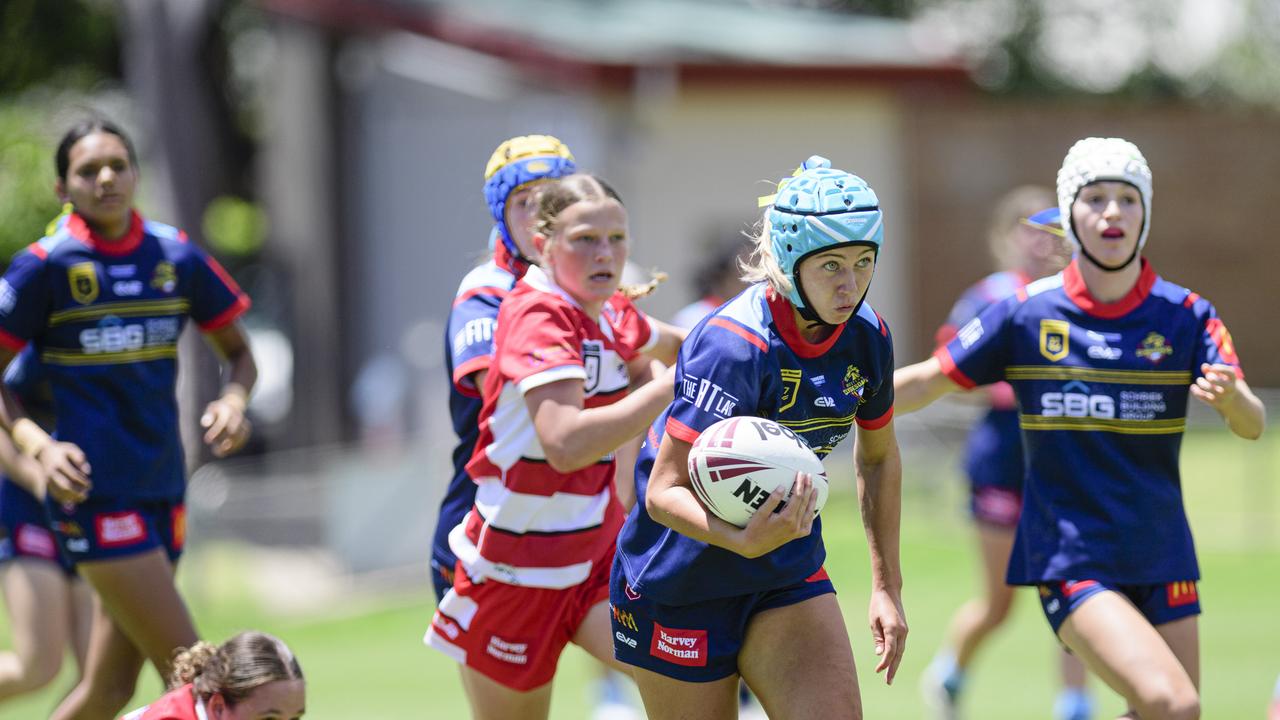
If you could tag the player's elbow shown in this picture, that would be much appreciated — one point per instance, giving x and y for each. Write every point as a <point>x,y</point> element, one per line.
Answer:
<point>563,456</point>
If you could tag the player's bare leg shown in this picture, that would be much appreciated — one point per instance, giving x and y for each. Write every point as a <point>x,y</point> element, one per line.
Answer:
<point>670,699</point>
<point>36,594</point>
<point>1118,644</point>
<point>491,700</point>
<point>110,673</point>
<point>595,635</point>
<point>139,593</point>
<point>798,662</point>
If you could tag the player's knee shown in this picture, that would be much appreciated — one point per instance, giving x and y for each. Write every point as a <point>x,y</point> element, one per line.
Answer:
<point>113,695</point>
<point>41,671</point>
<point>1176,704</point>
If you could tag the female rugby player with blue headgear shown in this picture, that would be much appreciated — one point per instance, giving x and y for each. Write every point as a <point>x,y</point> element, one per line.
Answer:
<point>749,601</point>
<point>1102,358</point>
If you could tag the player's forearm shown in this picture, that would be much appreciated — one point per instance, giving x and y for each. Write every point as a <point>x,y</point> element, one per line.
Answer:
<point>1245,414</point>
<point>669,339</point>
<point>675,506</point>
<point>578,441</point>
<point>917,386</point>
<point>242,376</point>
<point>880,500</point>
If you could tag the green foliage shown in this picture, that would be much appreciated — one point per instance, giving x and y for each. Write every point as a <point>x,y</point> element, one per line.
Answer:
<point>234,227</point>
<point>27,200</point>
<point>72,41</point>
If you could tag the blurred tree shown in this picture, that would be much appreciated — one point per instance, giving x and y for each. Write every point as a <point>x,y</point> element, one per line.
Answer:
<point>27,202</point>
<point>73,42</point>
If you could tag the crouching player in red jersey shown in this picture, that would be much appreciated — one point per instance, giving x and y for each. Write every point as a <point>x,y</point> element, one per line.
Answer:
<point>698,602</point>
<point>252,676</point>
<point>49,606</point>
<point>104,299</point>
<point>1102,358</point>
<point>535,550</point>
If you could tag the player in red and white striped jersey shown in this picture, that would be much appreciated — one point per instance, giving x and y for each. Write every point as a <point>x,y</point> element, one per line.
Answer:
<point>535,551</point>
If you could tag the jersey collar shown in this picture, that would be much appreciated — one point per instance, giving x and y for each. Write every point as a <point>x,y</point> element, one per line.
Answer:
<point>81,231</point>
<point>538,279</point>
<point>785,320</point>
<point>1073,284</point>
<point>517,266</point>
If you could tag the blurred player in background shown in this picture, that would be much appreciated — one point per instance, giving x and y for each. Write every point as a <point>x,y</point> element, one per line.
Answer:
<point>252,676</point>
<point>535,550</point>
<point>1102,358</point>
<point>103,300</point>
<point>799,347</point>
<point>49,606</point>
<point>718,278</point>
<point>1028,243</point>
<point>512,177</point>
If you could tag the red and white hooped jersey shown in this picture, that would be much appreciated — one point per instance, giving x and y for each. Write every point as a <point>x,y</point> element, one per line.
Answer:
<point>178,704</point>
<point>532,525</point>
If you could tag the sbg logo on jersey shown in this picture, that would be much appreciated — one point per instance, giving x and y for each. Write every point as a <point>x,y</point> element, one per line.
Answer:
<point>707,396</point>
<point>83,278</point>
<point>112,337</point>
<point>1076,401</point>
<point>1055,338</point>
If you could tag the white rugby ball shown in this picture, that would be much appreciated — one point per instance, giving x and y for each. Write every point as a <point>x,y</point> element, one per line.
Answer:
<point>736,463</point>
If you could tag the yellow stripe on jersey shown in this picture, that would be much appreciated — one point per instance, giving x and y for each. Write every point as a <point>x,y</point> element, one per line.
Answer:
<point>132,308</point>
<point>817,423</point>
<point>1121,377</point>
<point>71,357</point>
<point>1115,425</point>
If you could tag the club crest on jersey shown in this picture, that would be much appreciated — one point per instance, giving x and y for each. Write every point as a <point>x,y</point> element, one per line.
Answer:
<point>1054,339</point>
<point>790,388</point>
<point>1154,348</point>
<point>83,278</point>
<point>164,278</point>
<point>853,382</point>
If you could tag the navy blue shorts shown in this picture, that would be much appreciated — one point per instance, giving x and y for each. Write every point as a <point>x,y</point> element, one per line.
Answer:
<point>108,528</point>
<point>698,642</point>
<point>1159,604</point>
<point>25,531</point>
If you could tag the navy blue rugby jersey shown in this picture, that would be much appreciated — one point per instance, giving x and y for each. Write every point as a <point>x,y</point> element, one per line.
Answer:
<point>748,359</point>
<point>1102,392</point>
<point>468,350</point>
<point>104,318</point>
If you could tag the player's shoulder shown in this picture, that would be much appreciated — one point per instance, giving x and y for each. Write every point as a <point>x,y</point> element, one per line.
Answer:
<point>51,248</point>
<point>742,322</point>
<point>487,276</point>
<point>165,233</point>
<point>1178,298</point>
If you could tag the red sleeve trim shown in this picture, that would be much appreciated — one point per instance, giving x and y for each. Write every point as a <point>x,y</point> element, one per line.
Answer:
<point>944,335</point>
<point>486,291</point>
<point>470,367</point>
<point>229,315</point>
<point>884,327</point>
<point>1191,300</point>
<point>38,250</point>
<point>950,370</point>
<point>681,431</point>
<point>876,423</point>
<point>223,275</point>
<point>11,342</point>
<point>740,331</point>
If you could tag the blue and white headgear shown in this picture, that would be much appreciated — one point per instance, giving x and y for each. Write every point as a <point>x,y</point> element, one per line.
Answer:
<point>516,163</point>
<point>818,209</point>
<point>1097,159</point>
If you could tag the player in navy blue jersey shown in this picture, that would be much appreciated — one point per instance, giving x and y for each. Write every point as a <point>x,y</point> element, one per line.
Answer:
<point>1102,358</point>
<point>49,606</point>
<point>1028,242</point>
<point>103,300</point>
<point>698,602</point>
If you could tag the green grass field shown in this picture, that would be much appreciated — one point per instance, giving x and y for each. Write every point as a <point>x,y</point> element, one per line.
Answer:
<point>365,660</point>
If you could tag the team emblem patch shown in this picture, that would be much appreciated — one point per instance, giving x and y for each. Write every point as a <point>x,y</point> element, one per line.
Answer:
<point>164,278</point>
<point>83,278</point>
<point>790,388</point>
<point>1154,348</point>
<point>853,382</point>
<point>1055,338</point>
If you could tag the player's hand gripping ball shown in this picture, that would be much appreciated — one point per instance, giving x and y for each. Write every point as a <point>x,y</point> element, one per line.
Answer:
<point>736,463</point>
